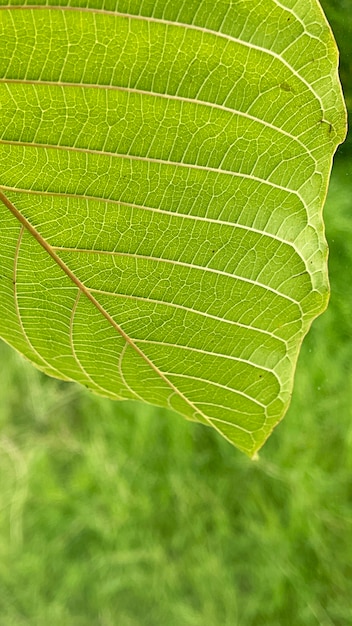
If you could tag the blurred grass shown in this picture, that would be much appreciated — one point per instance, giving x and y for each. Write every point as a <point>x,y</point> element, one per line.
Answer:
<point>119,514</point>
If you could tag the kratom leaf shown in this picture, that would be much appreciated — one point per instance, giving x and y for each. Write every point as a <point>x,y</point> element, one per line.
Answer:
<point>163,167</point>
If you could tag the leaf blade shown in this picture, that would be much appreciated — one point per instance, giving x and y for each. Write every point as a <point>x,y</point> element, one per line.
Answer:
<point>179,200</point>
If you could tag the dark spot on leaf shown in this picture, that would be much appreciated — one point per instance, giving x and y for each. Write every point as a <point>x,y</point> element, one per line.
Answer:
<point>327,125</point>
<point>286,87</point>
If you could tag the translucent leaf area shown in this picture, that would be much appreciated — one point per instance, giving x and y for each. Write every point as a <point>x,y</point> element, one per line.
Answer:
<point>163,167</point>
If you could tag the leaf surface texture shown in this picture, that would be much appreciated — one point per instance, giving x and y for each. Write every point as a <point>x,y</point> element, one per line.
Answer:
<point>163,167</point>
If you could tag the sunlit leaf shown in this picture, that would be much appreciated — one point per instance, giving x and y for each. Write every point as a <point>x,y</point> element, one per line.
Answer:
<point>163,167</point>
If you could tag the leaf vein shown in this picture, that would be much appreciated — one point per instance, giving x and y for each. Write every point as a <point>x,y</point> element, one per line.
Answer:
<point>166,96</point>
<point>171,23</point>
<point>157,161</point>
<point>191,266</point>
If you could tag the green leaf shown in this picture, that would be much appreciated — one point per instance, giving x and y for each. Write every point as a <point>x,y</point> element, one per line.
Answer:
<point>163,167</point>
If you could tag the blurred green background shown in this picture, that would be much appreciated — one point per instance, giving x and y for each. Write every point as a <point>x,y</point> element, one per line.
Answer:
<point>119,514</point>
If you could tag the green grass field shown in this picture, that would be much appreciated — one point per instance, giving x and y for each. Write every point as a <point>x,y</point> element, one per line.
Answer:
<point>119,514</point>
